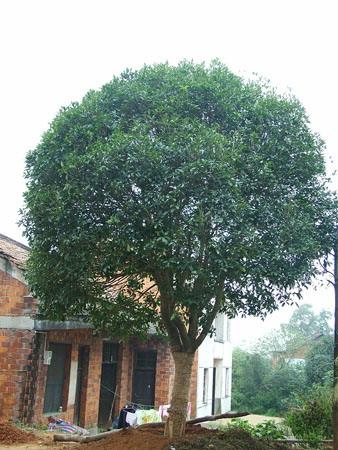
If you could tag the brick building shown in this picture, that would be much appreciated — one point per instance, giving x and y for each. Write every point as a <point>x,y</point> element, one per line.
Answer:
<point>49,367</point>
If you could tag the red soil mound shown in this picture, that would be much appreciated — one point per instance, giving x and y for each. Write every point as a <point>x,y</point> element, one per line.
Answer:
<point>130,439</point>
<point>139,439</point>
<point>9,434</point>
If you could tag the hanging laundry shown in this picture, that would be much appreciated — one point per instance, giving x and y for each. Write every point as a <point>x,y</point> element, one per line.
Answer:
<point>131,419</point>
<point>147,416</point>
<point>163,411</point>
<point>122,423</point>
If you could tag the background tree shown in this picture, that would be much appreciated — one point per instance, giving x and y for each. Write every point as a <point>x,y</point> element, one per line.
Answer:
<point>318,360</point>
<point>329,265</point>
<point>303,329</point>
<point>210,188</point>
<point>335,348</point>
<point>333,279</point>
<point>265,384</point>
<point>261,387</point>
<point>249,373</point>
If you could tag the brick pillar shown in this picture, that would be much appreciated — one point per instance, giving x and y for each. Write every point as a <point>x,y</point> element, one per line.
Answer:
<point>164,375</point>
<point>93,383</point>
<point>124,378</point>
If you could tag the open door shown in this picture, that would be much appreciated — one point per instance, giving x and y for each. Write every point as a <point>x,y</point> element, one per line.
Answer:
<point>81,385</point>
<point>213,398</point>
<point>58,372</point>
<point>108,383</point>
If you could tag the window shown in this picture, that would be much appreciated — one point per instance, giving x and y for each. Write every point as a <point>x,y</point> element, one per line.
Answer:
<point>56,394</point>
<point>145,359</point>
<point>219,328</point>
<point>205,385</point>
<point>109,353</point>
<point>228,330</point>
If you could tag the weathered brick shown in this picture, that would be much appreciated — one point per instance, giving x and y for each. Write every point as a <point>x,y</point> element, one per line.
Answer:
<point>23,375</point>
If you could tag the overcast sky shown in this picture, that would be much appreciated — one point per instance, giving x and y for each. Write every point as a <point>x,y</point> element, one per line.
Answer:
<point>54,51</point>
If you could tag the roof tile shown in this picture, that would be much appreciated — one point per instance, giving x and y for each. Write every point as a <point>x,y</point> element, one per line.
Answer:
<point>13,251</point>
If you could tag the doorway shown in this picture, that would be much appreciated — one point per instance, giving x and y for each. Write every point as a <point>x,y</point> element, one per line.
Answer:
<point>81,384</point>
<point>57,375</point>
<point>108,383</point>
<point>213,397</point>
<point>144,378</point>
<point>217,384</point>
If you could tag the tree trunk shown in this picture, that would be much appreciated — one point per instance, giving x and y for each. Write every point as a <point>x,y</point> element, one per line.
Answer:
<point>335,356</point>
<point>175,425</point>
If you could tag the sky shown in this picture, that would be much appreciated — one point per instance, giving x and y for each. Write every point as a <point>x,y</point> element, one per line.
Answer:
<point>53,51</point>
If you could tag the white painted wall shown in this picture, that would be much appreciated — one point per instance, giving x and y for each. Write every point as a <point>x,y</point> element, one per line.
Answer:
<point>215,354</point>
<point>72,382</point>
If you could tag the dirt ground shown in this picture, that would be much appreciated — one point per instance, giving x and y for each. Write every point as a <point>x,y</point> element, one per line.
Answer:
<point>43,441</point>
<point>124,440</point>
<point>131,439</point>
<point>12,437</point>
<point>37,446</point>
<point>197,438</point>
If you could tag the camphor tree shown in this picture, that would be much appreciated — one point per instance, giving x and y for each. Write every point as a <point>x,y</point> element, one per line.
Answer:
<point>191,190</point>
<point>304,329</point>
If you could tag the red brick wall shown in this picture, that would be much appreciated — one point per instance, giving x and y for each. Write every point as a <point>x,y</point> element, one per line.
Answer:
<point>15,361</point>
<point>14,298</point>
<point>165,372</point>
<point>90,405</point>
<point>23,374</point>
<point>15,347</point>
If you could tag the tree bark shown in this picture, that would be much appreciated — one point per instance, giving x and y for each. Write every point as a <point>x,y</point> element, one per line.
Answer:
<point>175,425</point>
<point>335,355</point>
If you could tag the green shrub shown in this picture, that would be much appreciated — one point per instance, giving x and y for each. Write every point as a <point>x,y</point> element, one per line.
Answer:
<point>267,430</point>
<point>311,417</point>
<point>234,438</point>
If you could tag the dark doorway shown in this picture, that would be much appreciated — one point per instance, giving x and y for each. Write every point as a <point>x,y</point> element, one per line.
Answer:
<point>213,390</point>
<point>57,374</point>
<point>144,378</point>
<point>81,384</point>
<point>108,383</point>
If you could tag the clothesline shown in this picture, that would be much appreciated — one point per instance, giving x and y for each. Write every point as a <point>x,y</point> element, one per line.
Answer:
<point>129,402</point>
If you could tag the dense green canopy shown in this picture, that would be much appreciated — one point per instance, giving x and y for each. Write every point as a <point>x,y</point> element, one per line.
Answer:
<point>210,187</point>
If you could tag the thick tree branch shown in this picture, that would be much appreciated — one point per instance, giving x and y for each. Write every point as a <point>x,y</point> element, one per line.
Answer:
<point>208,324</point>
<point>325,269</point>
<point>186,341</point>
<point>173,333</point>
<point>143,293</point>
<point>167,305</point>
<point>193,324</point>
<point>180,280</point>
